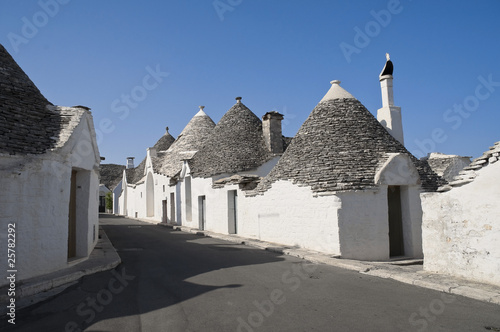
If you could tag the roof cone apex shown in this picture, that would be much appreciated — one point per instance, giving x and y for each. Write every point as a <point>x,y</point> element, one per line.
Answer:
<point>336,92</point>
<point>201,112</point>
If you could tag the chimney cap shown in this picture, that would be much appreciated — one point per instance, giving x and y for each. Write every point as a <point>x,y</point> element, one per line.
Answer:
<point>388,68</point>
<point>130,157</point>
<point>201,107</point>
<point>238,100</point>
<point>272,114</point>
<point>335,82</point>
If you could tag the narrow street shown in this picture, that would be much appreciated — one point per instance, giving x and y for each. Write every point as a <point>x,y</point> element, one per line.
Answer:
<point>174,281</point>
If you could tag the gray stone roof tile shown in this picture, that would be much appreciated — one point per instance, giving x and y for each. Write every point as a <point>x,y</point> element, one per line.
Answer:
<point>469,173</point>
<point>110,174</point>
<point>27,126</point>
<point>164,142</point>
<point>340,147</point>
<point>236,144</point>
<point>447,166</point>
<point>185,146</point>
<point>134,175</point>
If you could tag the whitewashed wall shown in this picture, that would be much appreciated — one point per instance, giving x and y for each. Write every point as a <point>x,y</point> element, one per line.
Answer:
<point>286,214</point>
<point>461,229</point>
<point>36,200</point>
<point>216,205</point>
<point>35,193</point>
<point>117,203</point>
<point>291,215</point>
<point>364,223</point>
<point>351,224</point>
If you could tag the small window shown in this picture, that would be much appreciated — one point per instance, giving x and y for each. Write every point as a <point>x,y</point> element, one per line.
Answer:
<point>141,194</point>
<point>163,188</point>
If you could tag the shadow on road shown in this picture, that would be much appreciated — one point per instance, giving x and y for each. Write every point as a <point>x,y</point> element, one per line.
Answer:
<point>160,269</point>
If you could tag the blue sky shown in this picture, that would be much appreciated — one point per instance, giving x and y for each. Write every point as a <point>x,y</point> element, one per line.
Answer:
<point>145,65</point>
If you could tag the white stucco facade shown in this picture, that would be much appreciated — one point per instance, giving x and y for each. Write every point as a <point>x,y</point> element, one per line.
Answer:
<point>461,228</point>
<point>364,225</point>
<point>349,224</point>
<point>116,198</point>
<point>349,195</point>
<point>35,196</point>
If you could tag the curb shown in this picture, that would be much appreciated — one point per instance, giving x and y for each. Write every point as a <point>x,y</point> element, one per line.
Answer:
<point>102,258</point>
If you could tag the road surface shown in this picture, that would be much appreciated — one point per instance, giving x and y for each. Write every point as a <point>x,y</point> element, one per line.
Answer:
<point>174,281</point>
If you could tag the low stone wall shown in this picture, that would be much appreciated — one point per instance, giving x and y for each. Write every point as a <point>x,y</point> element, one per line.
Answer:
<point>461,228</point>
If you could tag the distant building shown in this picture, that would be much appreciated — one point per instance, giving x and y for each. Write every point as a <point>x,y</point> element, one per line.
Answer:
<point>48,176</point>
<point>103,190</point>
<point>111,178</point>
<point>445,165</point>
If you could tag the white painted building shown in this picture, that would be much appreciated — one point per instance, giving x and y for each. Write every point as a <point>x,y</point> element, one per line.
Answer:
<point>461,227</point>
<point>343,186</point>
<point>103,190</point>
<point>110,176</point>
<point>49,185</point>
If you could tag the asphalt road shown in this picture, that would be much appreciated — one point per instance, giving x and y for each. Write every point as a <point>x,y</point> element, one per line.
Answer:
<point>174,281</point>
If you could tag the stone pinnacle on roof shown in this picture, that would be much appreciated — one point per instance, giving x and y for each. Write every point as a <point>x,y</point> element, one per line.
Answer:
<point>337,92</point>
<point>201,112</point>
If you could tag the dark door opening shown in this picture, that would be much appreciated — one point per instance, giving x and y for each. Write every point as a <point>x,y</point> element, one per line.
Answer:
<point>202,212</point>
<point>72,217</point>
<point>172,208</point>
<point>232,202</point>
<point>164,216</point>
<point>396,243</point>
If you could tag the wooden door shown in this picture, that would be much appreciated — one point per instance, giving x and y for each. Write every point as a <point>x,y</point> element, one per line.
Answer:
<point>396,243</point>
<point>72,217</point>
<point>202,212</point>
<point>164,218</point>
<point>172,208</point>
<point>232,202</point>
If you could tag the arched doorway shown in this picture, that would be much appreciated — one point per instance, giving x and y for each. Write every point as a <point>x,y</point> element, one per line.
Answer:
<point>150,196</point>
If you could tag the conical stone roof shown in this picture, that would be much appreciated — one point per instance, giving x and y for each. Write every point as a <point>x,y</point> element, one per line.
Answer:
<point>235,145</point>
<point>164,142</point>
<point>185,146</point>
<point>26,125</point>
<point>134,175</point>
<point>110,175</point>
<point>340,147</point>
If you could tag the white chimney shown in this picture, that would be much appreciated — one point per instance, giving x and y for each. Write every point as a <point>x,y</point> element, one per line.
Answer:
<point>152,152</point>
<point>130,162</point>
<point>389,115</point>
